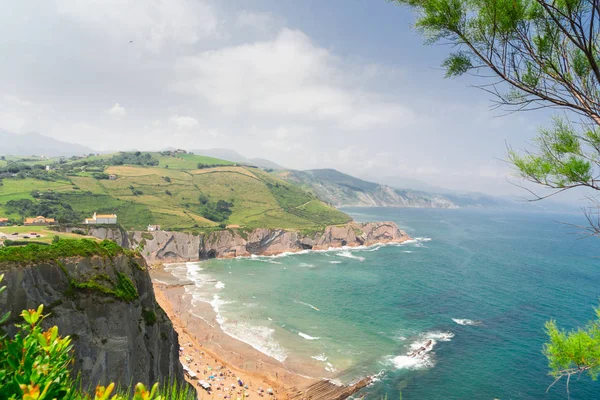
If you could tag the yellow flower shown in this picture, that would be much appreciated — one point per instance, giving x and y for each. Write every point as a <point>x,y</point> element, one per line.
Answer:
<point>30,392</point>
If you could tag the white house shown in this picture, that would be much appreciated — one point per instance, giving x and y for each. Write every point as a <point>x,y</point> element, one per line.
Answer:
<point>101,219</point>
<point>152,228</point>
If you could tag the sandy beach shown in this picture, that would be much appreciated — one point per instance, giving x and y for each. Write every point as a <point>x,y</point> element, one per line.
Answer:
<point>208,351</point>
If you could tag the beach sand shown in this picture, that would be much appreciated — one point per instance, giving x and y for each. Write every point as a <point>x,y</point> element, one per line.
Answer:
<point>208,351</point>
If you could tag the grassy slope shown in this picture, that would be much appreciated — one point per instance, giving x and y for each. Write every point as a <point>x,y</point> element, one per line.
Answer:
<point>170,196</point>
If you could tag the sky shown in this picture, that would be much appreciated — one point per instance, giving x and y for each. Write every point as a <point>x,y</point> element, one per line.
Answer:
<point>343,84</point>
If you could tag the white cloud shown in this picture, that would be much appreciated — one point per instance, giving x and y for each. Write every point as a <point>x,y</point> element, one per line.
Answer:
<point>287,76</point>
<point>117,110</point>
<point>15,101</point>
<point>151,24</point>
<point>183,122</point>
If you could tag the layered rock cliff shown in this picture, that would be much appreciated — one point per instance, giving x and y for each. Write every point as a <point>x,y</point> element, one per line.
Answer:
<point>107,305</point>
<point>178,246</point>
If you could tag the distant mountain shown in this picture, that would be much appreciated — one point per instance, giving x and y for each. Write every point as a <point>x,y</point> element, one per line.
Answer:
<point>232,155</point>
<point>340,189</point>
<point>34,144</point>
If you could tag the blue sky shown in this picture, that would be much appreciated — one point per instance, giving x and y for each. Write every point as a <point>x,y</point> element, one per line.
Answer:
<point>308,84</point>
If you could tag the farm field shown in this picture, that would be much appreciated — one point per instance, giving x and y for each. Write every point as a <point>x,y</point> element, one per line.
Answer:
<point>167,190</point>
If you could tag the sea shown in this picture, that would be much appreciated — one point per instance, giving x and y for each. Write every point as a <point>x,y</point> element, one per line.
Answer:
<point>456,313</point>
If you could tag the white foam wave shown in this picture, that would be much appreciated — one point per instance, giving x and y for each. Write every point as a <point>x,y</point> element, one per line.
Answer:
<point>335,262</point>
<point>419,355</point>
<point>348,254</point>
<point>306,265</point>
<point>320,357</point>
<point>373,247</point>
<point>306,304</point>
<point>330,368</point>
<point>407,251</point>
<point>466,321</point>
<point>308,337</point>
<point>259,337</point>
<point>219,285</point>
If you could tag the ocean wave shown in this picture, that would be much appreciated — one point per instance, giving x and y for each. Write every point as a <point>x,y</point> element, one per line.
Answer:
<point>348,254</point>
<point>466,321</point>
<point>407,251</point>
<point>330,368</point>
<point>419,355</point>
<point>306,304</point>
<point>219,285</point>
<point>343,249</point>
<point>335,262</point>
<point>308,337</point>
<point>320,357</point>
<point>259,337</point>
<point>306,265</point>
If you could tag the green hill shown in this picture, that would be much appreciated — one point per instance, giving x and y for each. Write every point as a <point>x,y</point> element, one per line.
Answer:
<point>176,190</point>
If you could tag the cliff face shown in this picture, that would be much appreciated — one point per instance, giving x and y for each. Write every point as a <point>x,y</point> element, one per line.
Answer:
<point>107,306</point>
<point>177,246</point>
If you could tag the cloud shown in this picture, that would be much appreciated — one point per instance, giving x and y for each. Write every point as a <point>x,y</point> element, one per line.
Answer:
<point>117,110</point>
<point>151,24</point>
<point>183,122</point>
<point>287,76</point>
<point>15,101</point>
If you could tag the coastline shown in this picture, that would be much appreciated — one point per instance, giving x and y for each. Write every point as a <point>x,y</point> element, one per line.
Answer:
<point>204,344</point>
<point>208,345</point>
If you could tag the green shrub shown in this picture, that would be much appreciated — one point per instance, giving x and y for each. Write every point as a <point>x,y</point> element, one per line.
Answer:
<point>147,236</point>
<point>62,249</point>
<point>149,316</point>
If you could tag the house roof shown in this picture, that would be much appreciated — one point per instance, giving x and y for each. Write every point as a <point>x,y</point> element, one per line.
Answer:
<point>106,216</point>
<point>39,218</point>
<point>3,219</point>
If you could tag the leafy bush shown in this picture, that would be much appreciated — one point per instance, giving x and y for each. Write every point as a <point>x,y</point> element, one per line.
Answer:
<point>100,176</point>
<point>62,249</point>
<point>147,236</point>
<point>49,204</point>
<point>217,212</point>
<point>134,158</point>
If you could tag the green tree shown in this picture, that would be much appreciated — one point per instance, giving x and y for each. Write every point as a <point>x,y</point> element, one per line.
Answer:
<point>540,54</point>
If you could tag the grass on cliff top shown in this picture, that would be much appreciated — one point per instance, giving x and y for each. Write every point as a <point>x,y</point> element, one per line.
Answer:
<point>62,249</point>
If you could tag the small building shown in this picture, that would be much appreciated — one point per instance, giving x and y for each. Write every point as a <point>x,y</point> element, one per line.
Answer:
<point>3,221</point>
<point>152,228</point>
<point>112,177</point>
<point>47,168</point>
<point>39,221</point>
<point>101,219</point>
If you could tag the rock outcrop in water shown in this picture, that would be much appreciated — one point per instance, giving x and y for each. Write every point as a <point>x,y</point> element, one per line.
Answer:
<point>229,243</point>
<point>120,334</point>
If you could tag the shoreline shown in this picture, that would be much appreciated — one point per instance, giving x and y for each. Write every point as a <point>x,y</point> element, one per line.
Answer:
<point>208,345</point>
<point>205,344</point>
<point>165,261</point>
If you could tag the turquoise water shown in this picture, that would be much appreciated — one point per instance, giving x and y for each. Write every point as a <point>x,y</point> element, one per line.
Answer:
<point>361,312</point>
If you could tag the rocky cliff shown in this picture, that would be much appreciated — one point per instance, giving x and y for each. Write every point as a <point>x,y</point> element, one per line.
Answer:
<point>178,246</point>
<point>107,305</point>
